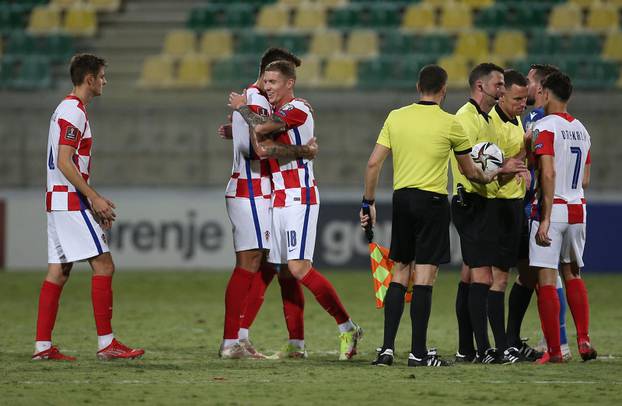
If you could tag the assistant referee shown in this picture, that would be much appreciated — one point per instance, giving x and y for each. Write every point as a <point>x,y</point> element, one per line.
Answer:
<point>420,137</point>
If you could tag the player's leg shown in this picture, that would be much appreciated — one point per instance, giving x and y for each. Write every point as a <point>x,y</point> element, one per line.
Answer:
<point>466,348</point>
<point>496,312</point>
<point>518,302</point>
<point>481,279</point>
<point>293,310</point>
<point>559,287</point>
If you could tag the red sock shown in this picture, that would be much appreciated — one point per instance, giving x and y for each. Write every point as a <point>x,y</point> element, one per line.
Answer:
<point>101,296</point>
<point>48,307</point>
<point>325,295</point>
<point>235,295</point>
<point>293,307</point>
<point>255,298</point>
<point>576,293</point>
<point>548,307</point>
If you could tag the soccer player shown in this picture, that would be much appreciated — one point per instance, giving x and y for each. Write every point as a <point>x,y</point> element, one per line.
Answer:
<point>295,194</point>
<point>248,206</point>
<point>420,231</point>
<point>77,216</point>
<point>561,145</point>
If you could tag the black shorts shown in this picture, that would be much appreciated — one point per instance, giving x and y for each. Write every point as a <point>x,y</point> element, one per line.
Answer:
<point>477,227</point>
<point>510,214</point>
<point>420,229</point>
<point>523,249</point>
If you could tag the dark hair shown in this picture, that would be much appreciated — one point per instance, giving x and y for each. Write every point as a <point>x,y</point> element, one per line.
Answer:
<point>277,54</point>
<point>514,77</point>
<point>559,83</point>
<point>82,65</point>
<point>481,70</point>
<point>543,70</point>
<point>285,68</point>
<point>432,78</point>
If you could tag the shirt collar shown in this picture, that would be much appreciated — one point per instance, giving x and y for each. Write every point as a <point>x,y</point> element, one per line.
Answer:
<point>427,103</point>
<point>480,111</point>
<point>504,116</point>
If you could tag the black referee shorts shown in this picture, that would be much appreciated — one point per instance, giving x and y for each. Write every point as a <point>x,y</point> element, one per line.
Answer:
<point>510,215</point>
<point>523,249</point>
<point>420,229</point>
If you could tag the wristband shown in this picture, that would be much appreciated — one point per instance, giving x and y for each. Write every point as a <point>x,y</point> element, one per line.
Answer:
<point>368,201</point>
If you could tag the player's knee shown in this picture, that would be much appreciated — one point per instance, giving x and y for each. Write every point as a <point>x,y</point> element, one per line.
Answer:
<point>299,268</point>
<point>103,265</point>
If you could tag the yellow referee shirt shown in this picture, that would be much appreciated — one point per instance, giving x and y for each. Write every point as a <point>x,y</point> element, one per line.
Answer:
<point>421,137</point>
<point>511,139</point>
<point>479,128</point>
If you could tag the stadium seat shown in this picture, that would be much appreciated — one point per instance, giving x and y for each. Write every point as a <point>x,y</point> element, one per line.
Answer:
<point>435,45</point>
<point>60,48</point>
<point>179,42</point>
<point>21,44</point>
<point>273,18</point>
<point>309,17</point>
<point>344,17</point>
<point>457,71</point>
<point>362,44</point>
<point>380,15</point>
<point>34,73</point>
<point>510,45</point>
<point>419,17</point>
<point>157,72</point>
<point>80,21</point>
<point>44,20</point>
<point>251,43</point>
<point>235,72</point>
<point>308,74</point>
<point>472,46</point>
<point>194,71</point>
<point>340,72</point>
<point>478,3</point>
<point>603,17</point>
<point>456,17</point>
<point>326,43</point>
<point>105,5</point>
<point>565,18</point>
<point>217,44</point>
<point>612,48</point>
<point>583,3</point>
<point>64,4</point>
<point>331,3</point>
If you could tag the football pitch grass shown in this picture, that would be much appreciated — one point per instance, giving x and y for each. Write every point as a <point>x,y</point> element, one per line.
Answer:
<point>177,317</point>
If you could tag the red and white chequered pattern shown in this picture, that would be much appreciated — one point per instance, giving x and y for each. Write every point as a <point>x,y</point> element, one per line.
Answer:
<point>69,125</point>
<point>566,139</point>
<point>293,182</point>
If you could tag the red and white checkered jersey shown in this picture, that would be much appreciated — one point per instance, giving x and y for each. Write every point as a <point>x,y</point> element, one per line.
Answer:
<point>564,137</point>
<point>69,125</point>
<point>293,182</point>
<point>250,175</point>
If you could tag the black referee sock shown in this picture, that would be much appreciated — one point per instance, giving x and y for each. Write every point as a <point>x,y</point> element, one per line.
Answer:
<point>518,302</point>
<point>393,309</point>
<point>420,309</point>
<point>465,330</point>
<point>478,298</point>
<point>496,314</point>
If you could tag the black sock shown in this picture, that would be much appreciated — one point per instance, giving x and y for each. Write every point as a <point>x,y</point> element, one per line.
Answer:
<point>465,330</point>
<point>496,317</point>
<point>420,308</point>
<point>393,309</point>
<point>518,302</point>
<point>478,298</point>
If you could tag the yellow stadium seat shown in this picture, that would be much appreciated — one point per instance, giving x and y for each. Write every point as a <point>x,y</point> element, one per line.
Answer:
<point>419,17</point>
<point>194,71</point>
<point>326,43</point>
<point>438,3</point>
<point>105,5</point>
<point>583,3</point>
<point>456,17</point>
<point>612,48</point>
<point>179,42</point>
<point>44,20</point>
<point>362,44</point>
<point>80,21</point>
<point>603,17</point>
<point>293,3</point>
<point>310,17</point>
<point>331,3</point>
<point>273,18</point>
<point>565,18</point>
<point>457,71</point>
<point>157,72</point>
<point>511,45</point>
<point>217,44</point>
<point>478,3</point>
<point>308,74</point>
<point>472,45</point>
<point>340,72</point>
<point>62,4</point>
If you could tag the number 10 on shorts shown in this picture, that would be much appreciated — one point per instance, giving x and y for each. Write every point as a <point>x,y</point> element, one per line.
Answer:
<point>291,239</point>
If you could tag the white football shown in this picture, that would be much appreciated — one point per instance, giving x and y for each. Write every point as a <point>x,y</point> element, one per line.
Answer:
<point>488,156</point>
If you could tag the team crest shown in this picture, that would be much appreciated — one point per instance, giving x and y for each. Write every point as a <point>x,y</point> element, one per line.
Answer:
<point>267,235</point>
<point>286,108</point>
<point>104,239</point>
<point>71,134</point>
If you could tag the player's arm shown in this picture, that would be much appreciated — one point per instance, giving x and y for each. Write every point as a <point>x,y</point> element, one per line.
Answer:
<point>372,173</point>
<point>102,207</point>
<point>586,176</point>
<point>475,174</point>
<point>261,125</point>
<point>547,185</point>
<point>267,148</point>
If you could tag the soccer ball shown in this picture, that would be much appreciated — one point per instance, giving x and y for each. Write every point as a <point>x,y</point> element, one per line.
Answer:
<point>488,156</point>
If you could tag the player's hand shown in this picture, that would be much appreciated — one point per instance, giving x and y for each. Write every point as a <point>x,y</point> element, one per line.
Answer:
<point>524,176</point>
<point>542,236</point>
<point>365,219</point>
<point>513,165</point>
<point>528,139</point>
<point>224,132</point>
<point>237,100</point>
<point>311,149</point>
<point>103,208</point>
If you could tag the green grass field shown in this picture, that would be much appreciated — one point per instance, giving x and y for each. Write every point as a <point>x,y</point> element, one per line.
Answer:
<point>177,318</point>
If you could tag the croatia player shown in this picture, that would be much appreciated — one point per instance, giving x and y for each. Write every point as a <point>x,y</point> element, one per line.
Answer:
<point>76,216</point>
<point>295,195</point>
<point>561,145</point>
<point>248,197</point>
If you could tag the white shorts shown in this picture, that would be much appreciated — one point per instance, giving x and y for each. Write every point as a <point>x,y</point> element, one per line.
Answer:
<point>251,223</point>
<point>293,233</point>
<point>567,243</point>
<point>74,236</point>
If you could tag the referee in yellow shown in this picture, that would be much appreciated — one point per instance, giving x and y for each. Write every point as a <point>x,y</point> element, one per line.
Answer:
<point>421,137</point>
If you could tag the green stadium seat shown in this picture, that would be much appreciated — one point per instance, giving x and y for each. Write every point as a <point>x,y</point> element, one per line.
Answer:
<point>34,73</point>
<point>13,17</point>
<point>8,71</point>
<point>434,44</point>
<point>254,43</point>
<point>346,17</point>
<point>517,15</point>
<point>382,15</point>
<point>251,43</point>
<point>427,45</point>
<point>21,44</point>
<point>60,48</point>
<point>235,72</point>
<point>240,15</point>
<point>235,15</point>
<point>391,71</point>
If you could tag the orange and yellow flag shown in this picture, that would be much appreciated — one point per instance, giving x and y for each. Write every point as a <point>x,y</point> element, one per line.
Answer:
<point>381,267</point>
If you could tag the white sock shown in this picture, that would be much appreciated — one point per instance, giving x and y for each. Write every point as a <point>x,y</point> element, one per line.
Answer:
<point>243,334</point>
<point>297,343</point>
<point>42,346</point>
<point>227,342</point>
<point>104,341</point>
<point>345,327</point>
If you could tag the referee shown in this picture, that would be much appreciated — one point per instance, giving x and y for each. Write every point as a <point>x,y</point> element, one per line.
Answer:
<point>421,137</point>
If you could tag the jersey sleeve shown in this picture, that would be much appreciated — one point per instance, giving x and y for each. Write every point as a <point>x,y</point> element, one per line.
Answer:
<point>71,126</point>
<point>258,104</point>
<point>588,160</point>
<point>543,143</point>
<point>469,125</point>
<point>292,115</point>
<point>458,139</point>
<point>384,137</point>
